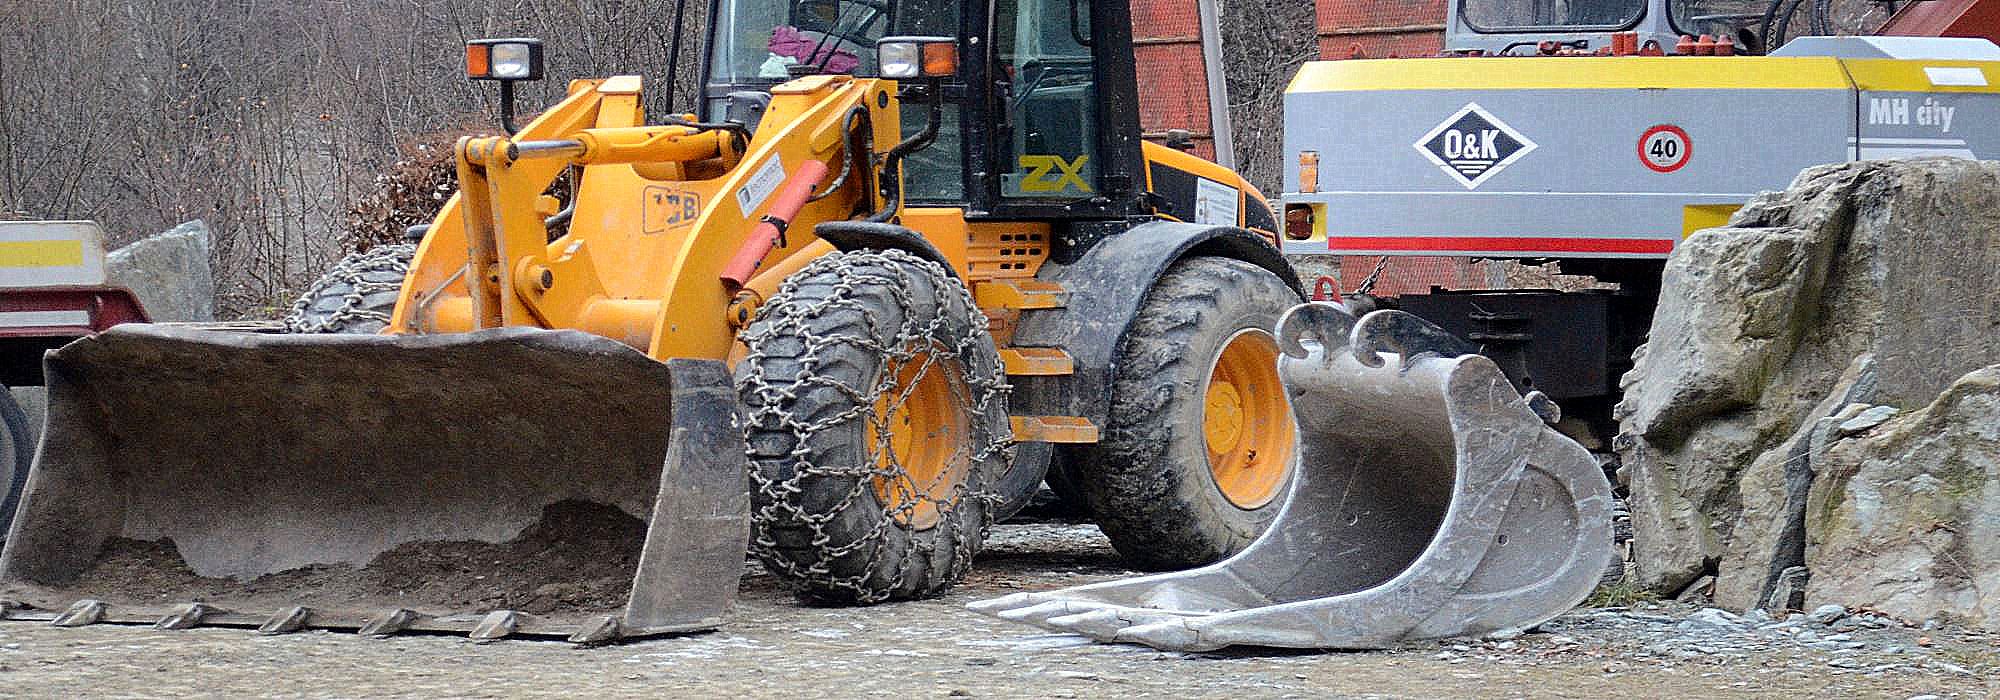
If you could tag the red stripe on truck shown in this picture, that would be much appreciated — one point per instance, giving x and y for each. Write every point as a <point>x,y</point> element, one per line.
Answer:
<point>1499,244</point>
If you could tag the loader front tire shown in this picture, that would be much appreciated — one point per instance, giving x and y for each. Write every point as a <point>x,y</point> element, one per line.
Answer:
<point>874,410</point>
<point>357,295</point>
<point>1197,450</point>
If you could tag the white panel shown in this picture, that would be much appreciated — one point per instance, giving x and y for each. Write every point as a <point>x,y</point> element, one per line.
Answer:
<point>1215,203</point>
<point>88,274</point>
<point>1960,76</point>
<point>33,319</point>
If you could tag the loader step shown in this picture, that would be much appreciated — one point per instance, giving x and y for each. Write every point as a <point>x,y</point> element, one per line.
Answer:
<point>1037,362</point>
<point>1020,294</point>
<point>1062,429</point>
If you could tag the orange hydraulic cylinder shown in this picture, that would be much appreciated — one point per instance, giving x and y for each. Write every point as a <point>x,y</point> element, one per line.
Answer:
<point>764,237</point>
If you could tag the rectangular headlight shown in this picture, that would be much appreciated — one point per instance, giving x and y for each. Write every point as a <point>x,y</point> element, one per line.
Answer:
<point>900,60</point>
<point>906,57</point>
<point>503,59</point>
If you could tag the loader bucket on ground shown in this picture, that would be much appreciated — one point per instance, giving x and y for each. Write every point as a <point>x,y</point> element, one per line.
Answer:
<point>1431,501</point>
<point>511,481</point>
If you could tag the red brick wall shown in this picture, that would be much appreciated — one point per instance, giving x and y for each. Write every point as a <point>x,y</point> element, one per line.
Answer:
<point>1173,85</point>
<point>1381,28</point>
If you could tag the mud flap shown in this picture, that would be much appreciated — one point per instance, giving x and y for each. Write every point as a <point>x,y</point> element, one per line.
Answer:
<point>1432,501</point>
<point>513,481</point>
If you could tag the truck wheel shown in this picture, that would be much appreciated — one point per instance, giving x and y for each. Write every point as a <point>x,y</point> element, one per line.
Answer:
<point>357,295</point>
<point>17,452</point>
<point>875,414</point>
<point>1197,451</point>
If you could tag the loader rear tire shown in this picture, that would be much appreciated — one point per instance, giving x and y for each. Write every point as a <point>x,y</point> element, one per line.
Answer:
<point>17,452</point>
<point>1197,449</point>
<point>874,411</point>
<point>356,296</point>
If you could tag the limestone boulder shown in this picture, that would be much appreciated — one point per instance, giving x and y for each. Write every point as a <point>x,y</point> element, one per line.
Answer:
<point>1904,516</point>
<point>169,272</point>
<point>1862,285</point>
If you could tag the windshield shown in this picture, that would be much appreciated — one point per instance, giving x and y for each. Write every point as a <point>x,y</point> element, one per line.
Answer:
<point>1532,15</point>
<point>1717,17</point>
<point>765,41</point>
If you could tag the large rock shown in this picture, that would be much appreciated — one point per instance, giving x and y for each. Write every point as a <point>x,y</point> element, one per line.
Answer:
<point>169,272</point>
<point>1863,284</point>
<point>1905,517</point>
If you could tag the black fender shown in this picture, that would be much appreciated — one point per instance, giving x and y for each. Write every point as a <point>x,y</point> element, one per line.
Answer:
<point>1107,284</point>
<point>868,235</point>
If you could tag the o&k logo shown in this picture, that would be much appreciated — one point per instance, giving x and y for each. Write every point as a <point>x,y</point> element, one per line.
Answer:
<point>1473,145</point>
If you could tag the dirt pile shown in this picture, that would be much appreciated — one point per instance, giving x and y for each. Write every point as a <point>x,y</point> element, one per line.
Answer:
<point>580,557</point>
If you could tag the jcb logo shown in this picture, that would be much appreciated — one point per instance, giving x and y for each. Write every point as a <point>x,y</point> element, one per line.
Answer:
<point>667,208</point>
<point>1054,174</point>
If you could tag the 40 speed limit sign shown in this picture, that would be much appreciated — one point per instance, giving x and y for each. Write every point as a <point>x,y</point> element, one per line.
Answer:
<point>1665,148</point>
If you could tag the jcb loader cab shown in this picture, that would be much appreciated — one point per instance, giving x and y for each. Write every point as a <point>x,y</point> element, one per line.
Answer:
<point>899,258</point>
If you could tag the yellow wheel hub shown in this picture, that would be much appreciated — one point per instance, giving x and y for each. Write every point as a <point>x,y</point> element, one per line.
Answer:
<point>917,433</point>
<point>1246,421</point>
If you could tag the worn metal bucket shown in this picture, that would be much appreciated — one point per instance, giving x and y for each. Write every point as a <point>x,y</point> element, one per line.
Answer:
<point>511,481</point>
<point>1433,500</point>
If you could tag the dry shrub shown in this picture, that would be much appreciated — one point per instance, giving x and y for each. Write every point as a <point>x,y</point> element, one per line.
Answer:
<point>409,192</point>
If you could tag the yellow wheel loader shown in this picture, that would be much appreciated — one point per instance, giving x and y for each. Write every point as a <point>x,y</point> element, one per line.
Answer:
<point>902,257</point>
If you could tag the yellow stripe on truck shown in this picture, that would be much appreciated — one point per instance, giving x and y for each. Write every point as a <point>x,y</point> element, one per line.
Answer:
<point>1594,73</point>
<point>41,254</point>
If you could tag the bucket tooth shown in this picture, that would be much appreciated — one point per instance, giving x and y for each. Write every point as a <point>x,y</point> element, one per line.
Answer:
<point>388,623</point>
<point>80,613</point>
<point>496,625</point>
<point>185,616</point>
<point>603,630</point>
<point>286,621</point>
<point>1432,500</point>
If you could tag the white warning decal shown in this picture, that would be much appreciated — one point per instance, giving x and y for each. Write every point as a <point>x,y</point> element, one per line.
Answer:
<point>1215,203</point>
<point>766,181</point>
<point>1473,145</point>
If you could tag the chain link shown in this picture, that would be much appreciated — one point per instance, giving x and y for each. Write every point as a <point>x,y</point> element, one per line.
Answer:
<point>338,301</point>
<point>814,328</point>
<point>1368,283</point>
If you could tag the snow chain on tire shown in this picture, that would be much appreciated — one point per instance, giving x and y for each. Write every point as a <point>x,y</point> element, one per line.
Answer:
<point>823,352</point>
<point>357,295</point>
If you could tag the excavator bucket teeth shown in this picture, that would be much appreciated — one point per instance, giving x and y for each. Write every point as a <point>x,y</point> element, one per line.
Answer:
<point>1431,501</point>
<point>381,483</point>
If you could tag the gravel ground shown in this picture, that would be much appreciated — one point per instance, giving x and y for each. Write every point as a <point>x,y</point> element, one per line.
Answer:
<point>935,648</point>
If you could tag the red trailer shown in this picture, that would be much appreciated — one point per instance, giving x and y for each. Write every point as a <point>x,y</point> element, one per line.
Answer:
<point>53,289</point>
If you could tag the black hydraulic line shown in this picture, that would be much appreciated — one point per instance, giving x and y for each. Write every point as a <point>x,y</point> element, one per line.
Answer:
<point>1770,19</point>
<point>674,52</point>
<point>854,150</point>
<point>892,164</point>
<point>741,132</point>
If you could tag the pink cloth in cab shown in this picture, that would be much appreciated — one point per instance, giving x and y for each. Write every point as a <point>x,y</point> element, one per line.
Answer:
<point>788,41</point>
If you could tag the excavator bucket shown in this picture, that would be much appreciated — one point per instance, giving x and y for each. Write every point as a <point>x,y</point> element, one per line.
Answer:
<point>1432,500</point>
<point>511,481</point>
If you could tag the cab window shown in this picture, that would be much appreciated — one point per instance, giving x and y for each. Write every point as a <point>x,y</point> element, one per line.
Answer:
<point>1531,15</point>
<point>1050,139</point>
